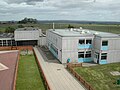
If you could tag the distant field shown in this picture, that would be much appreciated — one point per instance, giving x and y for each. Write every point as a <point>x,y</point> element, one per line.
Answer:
<point>28,77</point>
<point>45,26</point>
<point>99,76</point>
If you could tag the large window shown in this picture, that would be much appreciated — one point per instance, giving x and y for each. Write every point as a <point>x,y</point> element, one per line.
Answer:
<point>4,42</point>
<point>54,48</point>
<point>9,42</point>
<point>88,41</point>
<point>80,54</point>
<point>103,56</point>
<point>88,54</point>
<point>81,41</point>
<point>104,43</point>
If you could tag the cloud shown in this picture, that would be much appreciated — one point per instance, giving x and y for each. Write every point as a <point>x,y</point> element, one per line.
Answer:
<point>30,2</point>
<point>61,9</point>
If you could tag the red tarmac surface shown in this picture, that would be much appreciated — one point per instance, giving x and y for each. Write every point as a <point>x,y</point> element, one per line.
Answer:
<point>7,76</point>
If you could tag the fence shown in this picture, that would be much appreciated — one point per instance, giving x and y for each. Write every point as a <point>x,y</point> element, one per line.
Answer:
<point>70,68</point>
<point>43,75</point>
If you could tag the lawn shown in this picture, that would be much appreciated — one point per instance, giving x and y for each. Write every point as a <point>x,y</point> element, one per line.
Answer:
<point>99,77</point>
<point>28,74</point>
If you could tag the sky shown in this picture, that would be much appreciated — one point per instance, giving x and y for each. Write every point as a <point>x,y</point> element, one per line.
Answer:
<point>85,10</point>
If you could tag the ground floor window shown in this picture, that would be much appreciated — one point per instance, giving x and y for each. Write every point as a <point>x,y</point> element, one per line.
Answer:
<point>0,42</point>
<point>103,56</point>
<point>88,54</point>
<point>26,43</point>
<point>54,48</point>
<point>80,54</point>
<point>96,55</point>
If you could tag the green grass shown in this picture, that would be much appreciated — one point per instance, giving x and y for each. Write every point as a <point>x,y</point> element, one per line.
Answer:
<point>28,74</point>
<point>99,77</point>
<point>45,26</point>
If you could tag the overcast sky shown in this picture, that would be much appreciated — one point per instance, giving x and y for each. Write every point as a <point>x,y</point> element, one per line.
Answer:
<point>99,10</point>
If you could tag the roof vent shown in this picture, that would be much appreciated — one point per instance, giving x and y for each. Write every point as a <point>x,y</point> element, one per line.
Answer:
<point>96,33</point>
<point>81,28</point>
<point>71,29</point>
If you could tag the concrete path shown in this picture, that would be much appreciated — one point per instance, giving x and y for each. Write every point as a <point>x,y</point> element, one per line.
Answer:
<point>57,76</point>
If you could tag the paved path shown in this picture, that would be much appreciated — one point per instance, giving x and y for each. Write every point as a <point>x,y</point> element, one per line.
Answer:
<point>57,76</point>
<point>8,60</point>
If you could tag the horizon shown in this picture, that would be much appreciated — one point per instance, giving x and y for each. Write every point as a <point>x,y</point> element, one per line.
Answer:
<point>61,20</point>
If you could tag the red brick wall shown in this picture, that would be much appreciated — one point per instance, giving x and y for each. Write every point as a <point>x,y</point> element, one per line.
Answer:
<point>16,47</point>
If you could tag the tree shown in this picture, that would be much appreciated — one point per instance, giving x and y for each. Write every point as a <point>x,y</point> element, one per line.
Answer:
<point>28,20</point>
<point>9,30</point>
<point>69,26</point>
<point>20,26</point>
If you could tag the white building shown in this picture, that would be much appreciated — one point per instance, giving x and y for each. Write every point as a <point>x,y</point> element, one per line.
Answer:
<point>29,36</point>
<point>80,45</point>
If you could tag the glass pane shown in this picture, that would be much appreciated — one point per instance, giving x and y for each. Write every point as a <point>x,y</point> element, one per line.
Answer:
<point>81,41</point>
<point>88,41</point>
<point>104,54</point>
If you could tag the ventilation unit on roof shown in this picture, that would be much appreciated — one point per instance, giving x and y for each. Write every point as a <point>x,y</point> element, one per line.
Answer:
<point>81,28</point>
<point>71,29</point>
<point>96,33</point>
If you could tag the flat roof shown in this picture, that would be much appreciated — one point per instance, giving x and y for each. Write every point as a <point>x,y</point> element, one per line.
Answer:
<point>27,29</point>
<point>8,61</point>
<point>82,32</point>
<point>6,35</point>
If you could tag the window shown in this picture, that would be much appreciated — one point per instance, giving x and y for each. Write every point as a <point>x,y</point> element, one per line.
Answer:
<point>88,41</point>
<point>0,42</point>
<point>9,42</point>
<point>103,56</point>
<point>54,48</point>
<point>96,55</point>
<point>80,54</point>
<point>104,43</point>
<point>4,42</point>
<point>81,41</point>
<point>88,54</point>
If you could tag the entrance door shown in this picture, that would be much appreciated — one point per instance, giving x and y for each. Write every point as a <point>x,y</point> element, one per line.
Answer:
<point>97,58</point>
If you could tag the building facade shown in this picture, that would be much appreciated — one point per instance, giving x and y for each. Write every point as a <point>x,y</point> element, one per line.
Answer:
<point>80,45</point>
<point>27,36</point>
<point>7,39</point>
<point>23,37</point>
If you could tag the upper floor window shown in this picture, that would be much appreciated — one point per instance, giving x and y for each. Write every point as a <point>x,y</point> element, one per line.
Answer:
<point>104,43</point>
<point>88,41</point>
<point>81,41</point>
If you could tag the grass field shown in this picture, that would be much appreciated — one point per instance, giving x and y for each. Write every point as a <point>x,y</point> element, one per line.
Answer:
<point>45,26</point>
<point>28,74</point>
<point>99,77</point>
